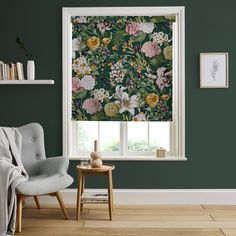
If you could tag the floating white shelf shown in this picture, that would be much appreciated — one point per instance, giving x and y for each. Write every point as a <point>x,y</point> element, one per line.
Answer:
<point>21,82</point>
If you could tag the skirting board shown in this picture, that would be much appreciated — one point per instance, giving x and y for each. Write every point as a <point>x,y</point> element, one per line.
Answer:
<point>154,196</point>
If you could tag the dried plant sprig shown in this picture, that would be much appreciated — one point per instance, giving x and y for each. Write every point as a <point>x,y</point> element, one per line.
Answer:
<point>21,45</point>
<point>214,69</point>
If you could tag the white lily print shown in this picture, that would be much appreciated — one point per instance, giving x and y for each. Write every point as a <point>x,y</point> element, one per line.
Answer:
<point>162,78</point>
<point>75,46</point>
<point>126,103</point>
<point>119,91</point>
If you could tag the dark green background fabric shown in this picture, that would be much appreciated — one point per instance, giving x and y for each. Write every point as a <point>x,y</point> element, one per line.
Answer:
<point>210,113</point>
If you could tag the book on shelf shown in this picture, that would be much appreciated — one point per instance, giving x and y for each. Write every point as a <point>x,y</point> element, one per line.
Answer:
<point>15,72</point>
<point>1,70</point>
<point>5,74</point>
<point>11,71</point>
<point>20,71</point>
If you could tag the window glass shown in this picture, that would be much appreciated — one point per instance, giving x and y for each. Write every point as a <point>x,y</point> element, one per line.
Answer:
<point>109,138</point>
<point>138,136</point>
<point>159,135</point>
<point>87,133</point>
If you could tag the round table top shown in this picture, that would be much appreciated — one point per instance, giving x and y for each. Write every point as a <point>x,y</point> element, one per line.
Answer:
<point>103,168</point>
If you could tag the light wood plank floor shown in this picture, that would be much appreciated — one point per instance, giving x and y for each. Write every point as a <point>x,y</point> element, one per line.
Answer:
<point>161,220</point>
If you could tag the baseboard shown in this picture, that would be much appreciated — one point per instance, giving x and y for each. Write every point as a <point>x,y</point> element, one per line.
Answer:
<point>152,197</point>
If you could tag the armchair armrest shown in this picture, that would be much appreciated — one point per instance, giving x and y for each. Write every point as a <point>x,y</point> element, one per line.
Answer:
<point>54,165</point>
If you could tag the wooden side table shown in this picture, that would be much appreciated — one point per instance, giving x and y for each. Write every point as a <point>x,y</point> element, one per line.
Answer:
<point>105,170</point>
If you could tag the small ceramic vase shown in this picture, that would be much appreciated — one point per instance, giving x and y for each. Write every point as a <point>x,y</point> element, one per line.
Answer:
<point>96,156</point>
<point>96,159</point>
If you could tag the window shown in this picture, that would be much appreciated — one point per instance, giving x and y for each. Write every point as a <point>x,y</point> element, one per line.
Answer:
<point>126,140</point>
<point>120,138</point>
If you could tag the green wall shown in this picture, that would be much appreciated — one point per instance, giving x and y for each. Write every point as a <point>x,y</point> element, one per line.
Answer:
<point>210,113</point>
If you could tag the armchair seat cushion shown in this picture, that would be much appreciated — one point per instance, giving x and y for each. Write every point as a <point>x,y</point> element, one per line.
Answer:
<point>53,165</point>
<point>43,184</point>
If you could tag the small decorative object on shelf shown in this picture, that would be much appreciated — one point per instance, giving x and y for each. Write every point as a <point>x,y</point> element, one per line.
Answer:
<point>30,62</point>
<point>96,156</point>
<point>30,70</point>
<point>161,152</point>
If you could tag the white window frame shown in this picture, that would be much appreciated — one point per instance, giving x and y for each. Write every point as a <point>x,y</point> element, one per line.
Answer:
<point>178,124</point>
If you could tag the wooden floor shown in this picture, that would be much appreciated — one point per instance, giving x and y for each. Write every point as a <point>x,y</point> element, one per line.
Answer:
<point>161,220</point>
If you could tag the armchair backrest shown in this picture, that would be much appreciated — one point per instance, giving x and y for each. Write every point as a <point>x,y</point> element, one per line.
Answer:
<point>33,148</point>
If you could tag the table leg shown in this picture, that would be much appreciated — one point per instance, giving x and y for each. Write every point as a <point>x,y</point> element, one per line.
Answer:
<point>82,191</point>
<point>110,196</point>
<point>111,183</point>
<point>80,179</point>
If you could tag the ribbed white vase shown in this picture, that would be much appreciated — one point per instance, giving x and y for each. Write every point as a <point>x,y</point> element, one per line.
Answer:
<point>30,70</point>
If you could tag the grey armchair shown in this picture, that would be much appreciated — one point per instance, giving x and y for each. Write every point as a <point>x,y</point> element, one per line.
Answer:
<point>47,176</point>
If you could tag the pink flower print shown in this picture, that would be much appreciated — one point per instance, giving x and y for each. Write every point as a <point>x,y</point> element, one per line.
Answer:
<point>163,78</point>
<point>150,49</point>
<point>91,106</point>
<point>161,72</point>
<point>103,26</point>
<point>132,28</point>
<point>76,84</point>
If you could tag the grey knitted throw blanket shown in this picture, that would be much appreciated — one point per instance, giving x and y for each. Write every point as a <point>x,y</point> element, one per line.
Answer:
<point>12,173</point>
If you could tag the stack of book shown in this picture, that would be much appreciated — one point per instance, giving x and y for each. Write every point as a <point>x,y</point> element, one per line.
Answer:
<point>94,197</point>
<point>11,71</point>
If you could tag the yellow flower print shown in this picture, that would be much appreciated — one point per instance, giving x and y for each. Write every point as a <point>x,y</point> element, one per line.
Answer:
<point>165,97</point>
<point>106,41</point>
<point>152,99</point>
<point>168,52</point>
<point>84,65</point>
<point>93,42</point>
<point>114,48</point>
<point>111,109</point>
<point>94,67</point>
<point>78,72</point>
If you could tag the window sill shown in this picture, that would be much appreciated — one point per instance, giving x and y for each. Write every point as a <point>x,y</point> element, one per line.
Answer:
<point>135,158</point>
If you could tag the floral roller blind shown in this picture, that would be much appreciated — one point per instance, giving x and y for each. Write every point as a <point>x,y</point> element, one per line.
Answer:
<point>122,68</point>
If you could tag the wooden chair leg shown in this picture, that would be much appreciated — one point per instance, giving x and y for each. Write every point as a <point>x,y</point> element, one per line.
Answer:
<point>20,199</point>
<point>59,199</point>
<point>37,202</point>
